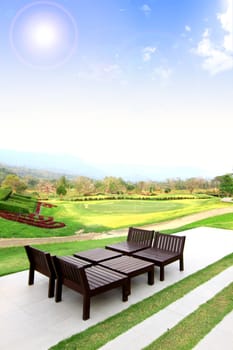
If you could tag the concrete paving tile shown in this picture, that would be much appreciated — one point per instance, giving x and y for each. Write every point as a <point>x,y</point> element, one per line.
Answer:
<point>221,337</point>
<point>30,320</point>
<point>147,331</point>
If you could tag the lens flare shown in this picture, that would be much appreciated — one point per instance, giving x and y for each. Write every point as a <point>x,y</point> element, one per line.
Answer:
<point>43,34</point>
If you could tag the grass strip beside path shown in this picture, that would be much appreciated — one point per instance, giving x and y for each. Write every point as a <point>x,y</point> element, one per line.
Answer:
<point>107,215</point>
<point>98,335</point>
<point>14,259</point>
<point>224,221</point>
<point>187,333</point>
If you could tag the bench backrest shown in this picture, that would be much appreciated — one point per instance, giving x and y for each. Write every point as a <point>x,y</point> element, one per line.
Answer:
<point>171,243</point>
<point>141,236</point>
<point>40,261</point>
<point>70,274</point>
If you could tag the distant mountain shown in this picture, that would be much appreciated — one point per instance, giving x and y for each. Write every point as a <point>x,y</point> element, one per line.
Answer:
<point>45,165</point>
<point>143,172</point>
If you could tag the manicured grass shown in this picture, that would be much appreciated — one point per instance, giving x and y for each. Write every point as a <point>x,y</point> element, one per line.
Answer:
<point>14,259</point>
<point>224,221</point>
<point>106,215</point>
<point>192,329</point>
<point>98,335</point>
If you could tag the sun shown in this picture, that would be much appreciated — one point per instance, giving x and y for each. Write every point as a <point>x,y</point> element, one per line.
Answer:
<point>43,34</point>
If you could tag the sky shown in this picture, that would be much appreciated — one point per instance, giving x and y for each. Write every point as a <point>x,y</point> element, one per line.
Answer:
<point>120,83</point>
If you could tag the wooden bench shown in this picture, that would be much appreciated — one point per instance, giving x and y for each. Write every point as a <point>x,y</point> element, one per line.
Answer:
<point>137,239</point>
<point>42,262</point>
<point>88,281</point>
<point>165,249</point>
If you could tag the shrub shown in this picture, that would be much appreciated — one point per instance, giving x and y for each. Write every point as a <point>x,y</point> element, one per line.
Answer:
<point>13,207</point>
<point>5,193</point>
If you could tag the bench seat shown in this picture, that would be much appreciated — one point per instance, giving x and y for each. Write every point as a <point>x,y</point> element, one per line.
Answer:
<point>165,250</point>
<point>88,281</point>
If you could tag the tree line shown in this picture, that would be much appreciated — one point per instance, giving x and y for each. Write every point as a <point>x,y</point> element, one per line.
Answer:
<point>86,186</point>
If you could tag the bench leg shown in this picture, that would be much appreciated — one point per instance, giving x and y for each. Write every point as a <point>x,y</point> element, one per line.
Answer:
<point>182,264</point>
<point>151,278</point>
<point>31,276</point>
<point>161,273</point>
<point>86,307</point>
<point>126,290</point>
<point>51,287</point>
<point>58,291</point>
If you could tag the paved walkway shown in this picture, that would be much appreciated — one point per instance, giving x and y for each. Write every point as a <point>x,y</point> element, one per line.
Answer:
<point>29,320</point>
<point>153,327</point>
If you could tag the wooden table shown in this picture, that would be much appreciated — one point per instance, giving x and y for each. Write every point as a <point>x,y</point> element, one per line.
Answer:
<point>97,255</point>
<point>131,267</point>
<point>76,261</point>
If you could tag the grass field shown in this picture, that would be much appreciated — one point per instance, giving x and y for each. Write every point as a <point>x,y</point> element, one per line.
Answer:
<point>106,215</point>
<point>13,259</point>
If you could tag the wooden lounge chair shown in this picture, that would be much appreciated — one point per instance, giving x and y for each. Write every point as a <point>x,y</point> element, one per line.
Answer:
<point>137,239</point>
<point>165,249</point>
<point>88,281</point>
<point>42,262</point>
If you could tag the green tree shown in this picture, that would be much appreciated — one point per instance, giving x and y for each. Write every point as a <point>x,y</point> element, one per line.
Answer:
<point>32,182</point>
<point>114,185</point>
<point>62,181</point>
<point>84,185</point>
<point>61,190</point>
<point>226,184</point>
<point>15,183</point>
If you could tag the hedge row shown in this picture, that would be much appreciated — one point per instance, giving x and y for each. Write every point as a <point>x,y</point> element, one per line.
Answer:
<point>140,198</point>
<point>31,206</point>
<point>13,207</point>
<point>22,196</point>
<point>5,193</point>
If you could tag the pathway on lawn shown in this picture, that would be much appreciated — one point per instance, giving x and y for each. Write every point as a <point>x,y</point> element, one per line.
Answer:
<point>171,224</point>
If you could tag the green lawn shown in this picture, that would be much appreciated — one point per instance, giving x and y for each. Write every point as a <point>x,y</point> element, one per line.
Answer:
<point>13,259</point>
<point>106,215</point>
<point>224,221</point>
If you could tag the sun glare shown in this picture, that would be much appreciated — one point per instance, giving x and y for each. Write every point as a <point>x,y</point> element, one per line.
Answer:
<point>43,34</point>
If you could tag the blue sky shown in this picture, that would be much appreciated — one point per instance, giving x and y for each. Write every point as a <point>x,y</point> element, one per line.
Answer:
<point>120,83</point>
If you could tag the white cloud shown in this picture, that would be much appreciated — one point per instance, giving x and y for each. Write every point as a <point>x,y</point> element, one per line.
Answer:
<point>145,9</point>
<point>226,20</point>
<point>187,28</point>
<point>218,57</point>
<point>147,52</point>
